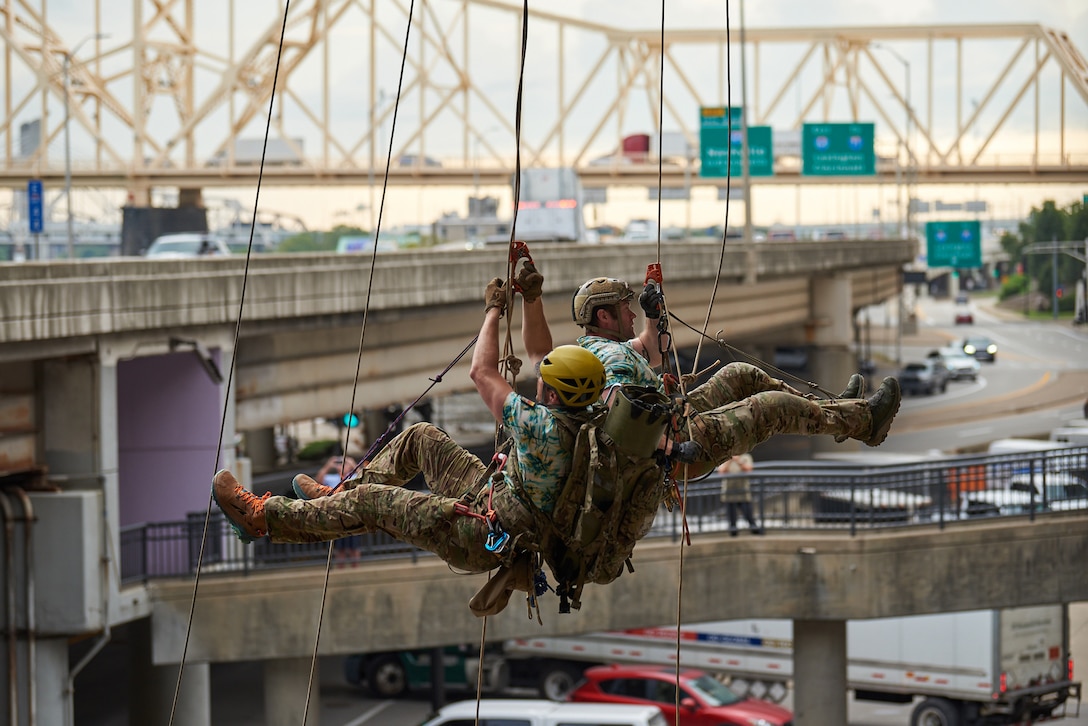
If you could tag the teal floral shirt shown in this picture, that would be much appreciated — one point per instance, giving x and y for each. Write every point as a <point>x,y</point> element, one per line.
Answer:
<point>623,365</point>
<point>538,450</point>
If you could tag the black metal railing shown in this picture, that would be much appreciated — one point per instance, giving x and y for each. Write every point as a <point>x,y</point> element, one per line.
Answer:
<point>785,496</point>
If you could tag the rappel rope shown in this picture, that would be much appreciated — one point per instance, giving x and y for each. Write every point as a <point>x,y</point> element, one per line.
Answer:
<point>230,372</point>
<point>362,339</point>
<point>664,344</point>
<point>508,363</point>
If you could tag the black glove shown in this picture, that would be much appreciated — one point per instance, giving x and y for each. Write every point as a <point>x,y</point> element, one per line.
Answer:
<point>687,452</point>
<point>529,282</point>
<point>651,299</point>
<point>495,296</point>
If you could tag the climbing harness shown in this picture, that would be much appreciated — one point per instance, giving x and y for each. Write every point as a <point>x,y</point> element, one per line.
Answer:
<point>496,539</point>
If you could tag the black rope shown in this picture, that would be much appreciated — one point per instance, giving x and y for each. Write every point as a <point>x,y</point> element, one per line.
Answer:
<point>756,360</point>
<point>362,333</point>
<point>230,372</point>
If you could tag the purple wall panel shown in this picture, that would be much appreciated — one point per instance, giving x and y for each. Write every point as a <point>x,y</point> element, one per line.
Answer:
<point>169,414</point>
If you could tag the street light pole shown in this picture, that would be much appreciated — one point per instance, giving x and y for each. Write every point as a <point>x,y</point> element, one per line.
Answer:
<point>744,170</point>
<point>906,130</point>
<point>67,138</point>
<point>907,214</point>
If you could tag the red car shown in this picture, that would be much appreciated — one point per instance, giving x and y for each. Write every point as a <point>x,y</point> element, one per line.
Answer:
<point>964,317</point>
<point>704,701</point>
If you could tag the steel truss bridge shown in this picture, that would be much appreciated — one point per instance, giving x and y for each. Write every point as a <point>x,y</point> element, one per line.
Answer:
<point>158,93</point>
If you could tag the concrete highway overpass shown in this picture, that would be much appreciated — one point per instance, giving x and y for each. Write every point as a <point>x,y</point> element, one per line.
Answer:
<point>125,426</point>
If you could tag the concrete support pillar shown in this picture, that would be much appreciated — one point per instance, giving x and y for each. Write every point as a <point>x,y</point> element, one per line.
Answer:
<point>819,672</point>
<point>194,704</point>
<point>830,333</point>
<point>151,692</point>
<point>285,681</point>
<point>261,448</point>
<point>51,697</point>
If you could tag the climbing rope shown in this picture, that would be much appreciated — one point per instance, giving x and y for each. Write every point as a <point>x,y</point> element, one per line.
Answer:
<point>362,336</point>
<point>508,363</point>
<point>230,373</point>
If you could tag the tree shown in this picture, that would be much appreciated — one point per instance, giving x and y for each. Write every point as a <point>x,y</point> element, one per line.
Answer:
<point>1050,224</point>
<point>318,241</point>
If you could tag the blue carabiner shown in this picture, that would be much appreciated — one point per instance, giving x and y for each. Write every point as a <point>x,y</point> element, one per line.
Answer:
<point>496,541</point>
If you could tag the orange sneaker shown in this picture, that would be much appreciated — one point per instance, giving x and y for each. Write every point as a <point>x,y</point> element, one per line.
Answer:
<point>306,487</point>
<point>244,510</point>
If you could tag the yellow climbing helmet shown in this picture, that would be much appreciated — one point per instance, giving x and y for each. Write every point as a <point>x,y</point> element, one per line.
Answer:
<point>596,292</point>
<point>576,375</point>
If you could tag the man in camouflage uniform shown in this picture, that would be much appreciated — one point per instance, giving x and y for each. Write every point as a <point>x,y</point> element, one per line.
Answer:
<point>451,520</point>
<point>740,406</point>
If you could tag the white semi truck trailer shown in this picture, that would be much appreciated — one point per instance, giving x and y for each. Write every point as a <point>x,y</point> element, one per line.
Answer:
<point>965,669</point>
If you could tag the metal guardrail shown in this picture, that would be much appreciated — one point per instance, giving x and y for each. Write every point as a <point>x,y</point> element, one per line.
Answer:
<point>808,495</point>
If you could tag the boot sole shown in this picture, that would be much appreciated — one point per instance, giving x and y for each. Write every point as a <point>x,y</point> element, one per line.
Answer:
<point>301,494</point>
<point>298,491</point>
<point>882,433</point>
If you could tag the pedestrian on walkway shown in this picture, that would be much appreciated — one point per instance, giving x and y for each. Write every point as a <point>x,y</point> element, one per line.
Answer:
<point>737,493</point>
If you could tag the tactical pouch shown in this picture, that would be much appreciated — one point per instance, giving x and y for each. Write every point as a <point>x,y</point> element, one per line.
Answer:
<point>637,420</point>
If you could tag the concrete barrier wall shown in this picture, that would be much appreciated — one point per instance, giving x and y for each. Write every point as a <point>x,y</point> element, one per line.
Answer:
<point>800,576</point>
<point>56,300</point>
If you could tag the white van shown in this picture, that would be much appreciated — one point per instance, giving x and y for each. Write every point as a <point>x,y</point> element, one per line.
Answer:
<point>512,712</point>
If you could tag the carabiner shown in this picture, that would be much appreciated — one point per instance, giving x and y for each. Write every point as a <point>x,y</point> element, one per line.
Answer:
<point>496,541</point>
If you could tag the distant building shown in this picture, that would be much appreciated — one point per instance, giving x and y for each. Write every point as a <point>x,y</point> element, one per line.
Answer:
<point>483,222</point>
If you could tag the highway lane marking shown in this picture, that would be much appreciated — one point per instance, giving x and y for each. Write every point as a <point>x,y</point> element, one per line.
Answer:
<point>369,714</point>
<point>944,413</point>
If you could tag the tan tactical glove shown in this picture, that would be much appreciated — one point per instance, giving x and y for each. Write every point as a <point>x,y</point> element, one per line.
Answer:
<point>529,282</point>
<point>495,296</point>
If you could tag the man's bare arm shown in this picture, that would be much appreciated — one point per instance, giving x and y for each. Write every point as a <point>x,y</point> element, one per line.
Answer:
<point>485,374</point>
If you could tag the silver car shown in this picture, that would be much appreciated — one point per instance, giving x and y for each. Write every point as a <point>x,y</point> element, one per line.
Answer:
<point>186,245</point>
<point>960,365</point>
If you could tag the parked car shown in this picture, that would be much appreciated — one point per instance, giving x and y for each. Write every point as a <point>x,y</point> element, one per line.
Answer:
<point>704,701</point>
<point>981,348</point>
<point>924,377</point>
<point>186,244</point>
<point>959,364</point>
<point>1063,491</point>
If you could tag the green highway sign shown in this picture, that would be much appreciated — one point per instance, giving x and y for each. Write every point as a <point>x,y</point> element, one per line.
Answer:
<point>954,244</point>
<point>721,144</point>
<point>837,150</point>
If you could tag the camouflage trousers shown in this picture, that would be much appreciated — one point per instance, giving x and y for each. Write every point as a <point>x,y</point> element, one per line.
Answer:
<point>737,427</point>
<point>735,382</point>
<point>376,500</point>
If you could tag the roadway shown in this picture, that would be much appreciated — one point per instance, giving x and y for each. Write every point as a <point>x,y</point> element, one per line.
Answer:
<point>1038,382</point>
<point>236,687</point>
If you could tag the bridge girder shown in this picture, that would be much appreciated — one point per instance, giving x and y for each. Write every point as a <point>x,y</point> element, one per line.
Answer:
<point>154,102</point>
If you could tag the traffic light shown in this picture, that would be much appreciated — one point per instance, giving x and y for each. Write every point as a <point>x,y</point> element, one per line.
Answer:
<point>350,420</point>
